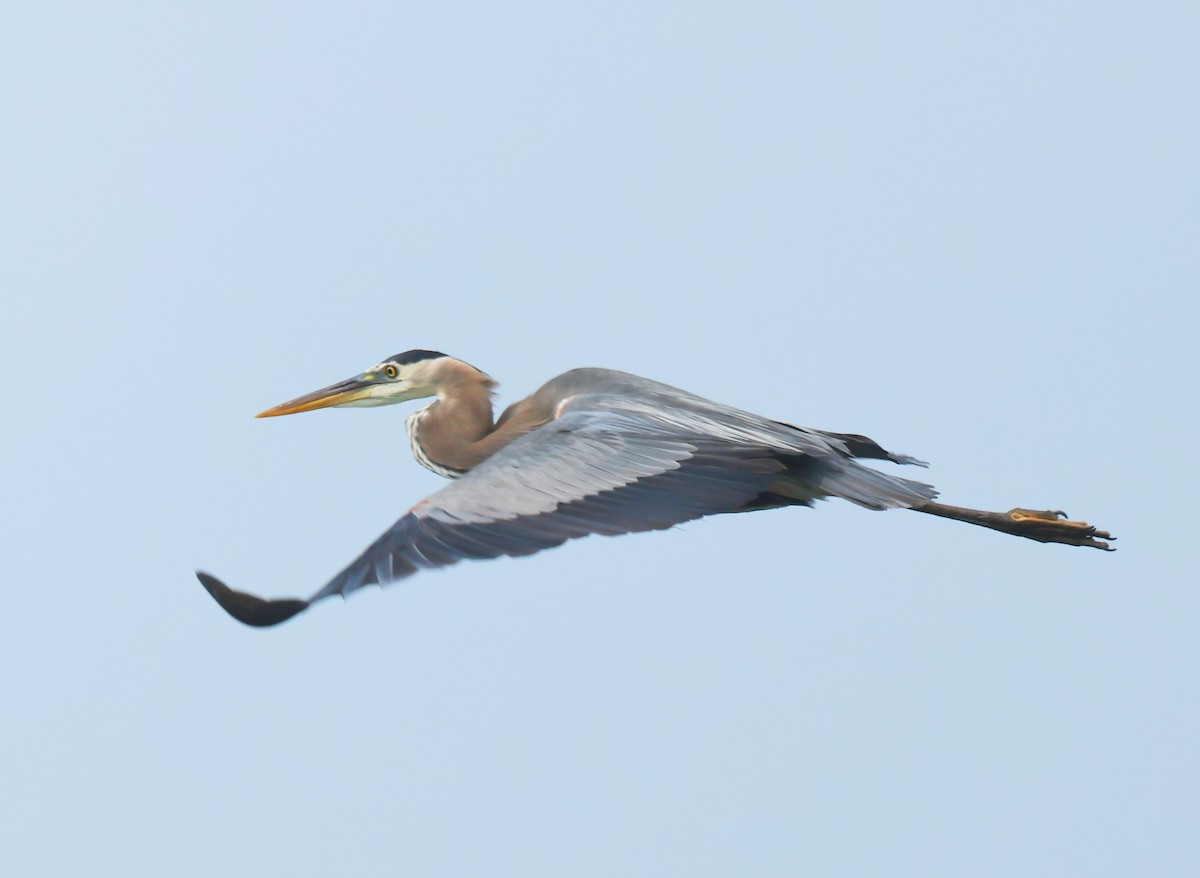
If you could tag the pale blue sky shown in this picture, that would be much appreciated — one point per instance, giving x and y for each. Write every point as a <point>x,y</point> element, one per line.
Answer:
<point>967,230</point>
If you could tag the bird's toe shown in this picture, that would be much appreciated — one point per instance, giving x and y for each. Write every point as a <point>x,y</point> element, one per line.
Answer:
<point>1053,526</point>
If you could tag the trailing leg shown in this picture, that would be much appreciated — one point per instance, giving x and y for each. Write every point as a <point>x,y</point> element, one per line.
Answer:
<point>1045,526</point>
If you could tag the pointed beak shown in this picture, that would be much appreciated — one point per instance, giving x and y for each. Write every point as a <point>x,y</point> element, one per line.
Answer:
<point>335,394</point>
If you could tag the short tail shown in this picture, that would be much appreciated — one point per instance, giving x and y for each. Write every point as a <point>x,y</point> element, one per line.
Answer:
<point>863,446</point>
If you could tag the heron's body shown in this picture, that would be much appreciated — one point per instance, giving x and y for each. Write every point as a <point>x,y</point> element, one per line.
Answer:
<point>455,434</point>
<point>597,451</point>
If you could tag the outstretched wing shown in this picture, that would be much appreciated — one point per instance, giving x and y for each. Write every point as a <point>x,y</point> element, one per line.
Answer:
<point>605,472</point>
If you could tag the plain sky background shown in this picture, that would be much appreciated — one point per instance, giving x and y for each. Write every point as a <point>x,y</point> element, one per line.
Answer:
<point>970,231</point>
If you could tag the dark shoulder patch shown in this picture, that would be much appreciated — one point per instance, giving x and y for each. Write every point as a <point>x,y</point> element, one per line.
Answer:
<point>408,357</point>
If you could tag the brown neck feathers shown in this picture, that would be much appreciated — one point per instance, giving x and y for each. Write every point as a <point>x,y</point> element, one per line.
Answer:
<point>458,432</point>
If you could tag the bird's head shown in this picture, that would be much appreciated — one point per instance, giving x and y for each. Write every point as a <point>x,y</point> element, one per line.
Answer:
<point>410,375</point>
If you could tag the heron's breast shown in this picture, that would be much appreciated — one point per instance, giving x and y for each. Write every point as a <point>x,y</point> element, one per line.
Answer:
<point>413,425</point>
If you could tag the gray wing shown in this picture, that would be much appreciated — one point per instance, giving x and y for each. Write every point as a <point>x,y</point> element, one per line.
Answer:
<point>589,471</point>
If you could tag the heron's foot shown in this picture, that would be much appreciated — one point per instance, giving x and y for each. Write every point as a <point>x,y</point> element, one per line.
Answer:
<point>1053,526</point>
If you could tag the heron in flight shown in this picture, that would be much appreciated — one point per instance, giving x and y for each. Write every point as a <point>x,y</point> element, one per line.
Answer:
<point>595,451</point>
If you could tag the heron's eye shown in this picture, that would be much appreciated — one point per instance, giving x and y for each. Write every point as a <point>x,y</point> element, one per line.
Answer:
<point>391,371</point>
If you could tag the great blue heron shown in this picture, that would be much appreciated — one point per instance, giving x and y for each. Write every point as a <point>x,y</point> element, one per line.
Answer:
<point>598,451</point>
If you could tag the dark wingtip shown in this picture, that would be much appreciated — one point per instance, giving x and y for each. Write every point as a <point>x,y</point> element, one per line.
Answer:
<point>247,608</point>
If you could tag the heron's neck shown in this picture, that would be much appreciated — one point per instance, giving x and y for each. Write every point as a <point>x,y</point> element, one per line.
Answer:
<point>453,432</point>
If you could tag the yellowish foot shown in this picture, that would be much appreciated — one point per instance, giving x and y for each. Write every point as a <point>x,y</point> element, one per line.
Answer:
<point>1052,526</point>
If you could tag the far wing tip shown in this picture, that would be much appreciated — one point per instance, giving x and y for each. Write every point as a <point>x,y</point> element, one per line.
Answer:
<point>250,609</point>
